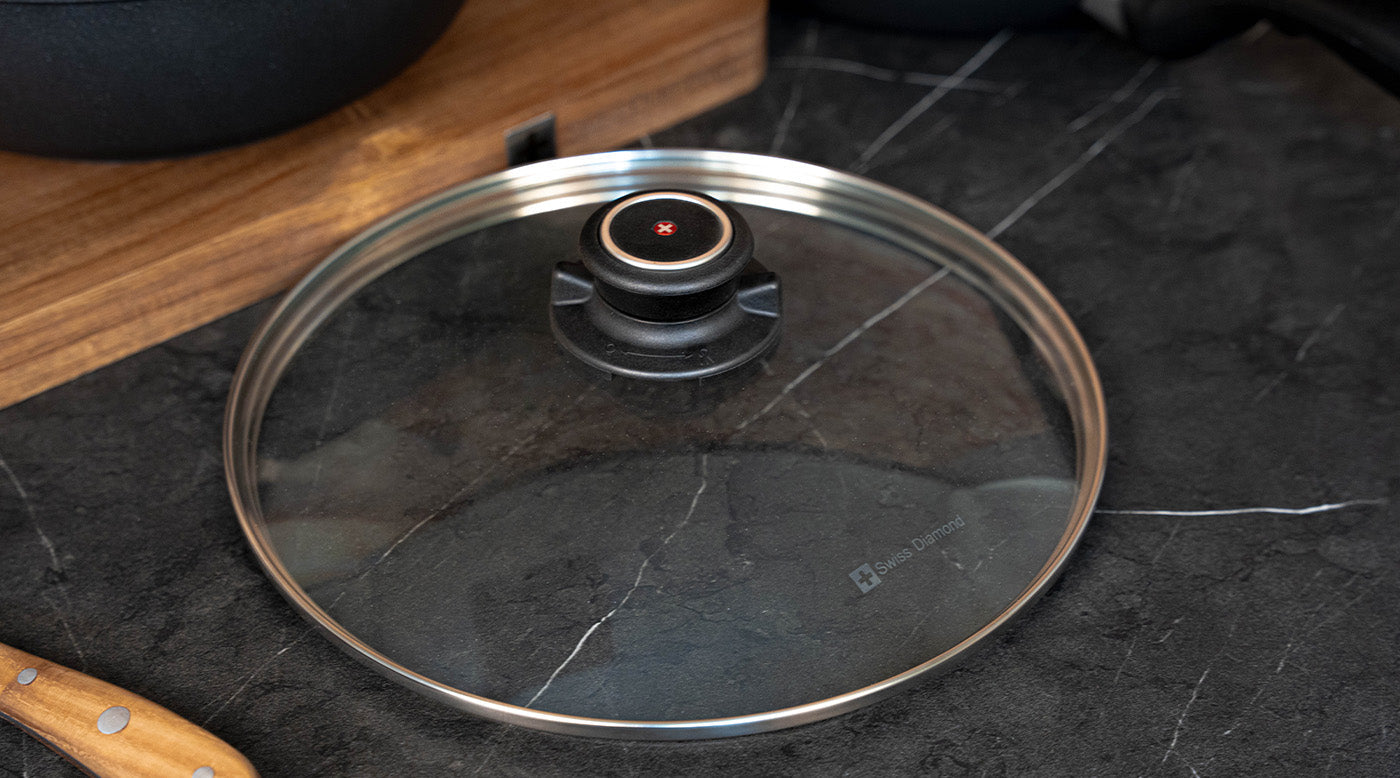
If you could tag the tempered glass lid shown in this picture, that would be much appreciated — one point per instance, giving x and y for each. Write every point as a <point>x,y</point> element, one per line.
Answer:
<point>434,470</point>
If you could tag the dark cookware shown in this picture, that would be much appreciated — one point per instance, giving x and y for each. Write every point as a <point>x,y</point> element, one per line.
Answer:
<point>138,78</point>
<point>1365,32</point>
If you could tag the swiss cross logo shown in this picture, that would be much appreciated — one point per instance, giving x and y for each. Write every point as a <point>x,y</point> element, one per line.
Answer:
<point>865,578</point>
<point>664,228</point>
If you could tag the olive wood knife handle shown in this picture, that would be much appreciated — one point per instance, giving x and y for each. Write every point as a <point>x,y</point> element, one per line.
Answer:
<point>108,731</point>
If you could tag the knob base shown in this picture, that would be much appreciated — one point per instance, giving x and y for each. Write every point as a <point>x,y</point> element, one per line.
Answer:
<point>740,330</point>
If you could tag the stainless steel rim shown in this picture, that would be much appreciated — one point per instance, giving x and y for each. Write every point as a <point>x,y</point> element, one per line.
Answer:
<point>749,179</point>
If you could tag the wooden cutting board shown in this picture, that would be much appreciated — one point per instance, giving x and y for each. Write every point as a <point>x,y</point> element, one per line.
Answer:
<point>99,260</point>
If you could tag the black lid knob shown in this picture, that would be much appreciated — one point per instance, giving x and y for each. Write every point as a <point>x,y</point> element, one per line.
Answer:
<point>666,255</point>
<point>668,290</point>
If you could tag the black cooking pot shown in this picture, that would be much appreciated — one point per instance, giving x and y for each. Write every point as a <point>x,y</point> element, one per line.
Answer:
<point>1365,32</point>
<point>138,78</point>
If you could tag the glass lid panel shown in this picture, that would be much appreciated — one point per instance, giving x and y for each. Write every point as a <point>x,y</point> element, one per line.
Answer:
<point>444,482</point>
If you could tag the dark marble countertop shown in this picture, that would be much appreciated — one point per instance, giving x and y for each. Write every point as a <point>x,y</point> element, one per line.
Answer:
<point>1226,233</point>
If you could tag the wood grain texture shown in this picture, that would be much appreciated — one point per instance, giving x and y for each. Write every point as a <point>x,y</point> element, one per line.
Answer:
<point>62,707</point>
<point>99,260</point>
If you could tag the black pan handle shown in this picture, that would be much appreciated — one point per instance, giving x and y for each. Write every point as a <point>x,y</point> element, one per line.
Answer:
<point>1364,32</point>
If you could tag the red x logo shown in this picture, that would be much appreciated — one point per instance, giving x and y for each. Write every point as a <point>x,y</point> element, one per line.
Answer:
<point>664,228</point>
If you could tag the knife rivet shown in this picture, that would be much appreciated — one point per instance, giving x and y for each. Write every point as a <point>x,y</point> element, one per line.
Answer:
<point>113,720</point>
<point>203,772</point>
<point>27,676</point>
